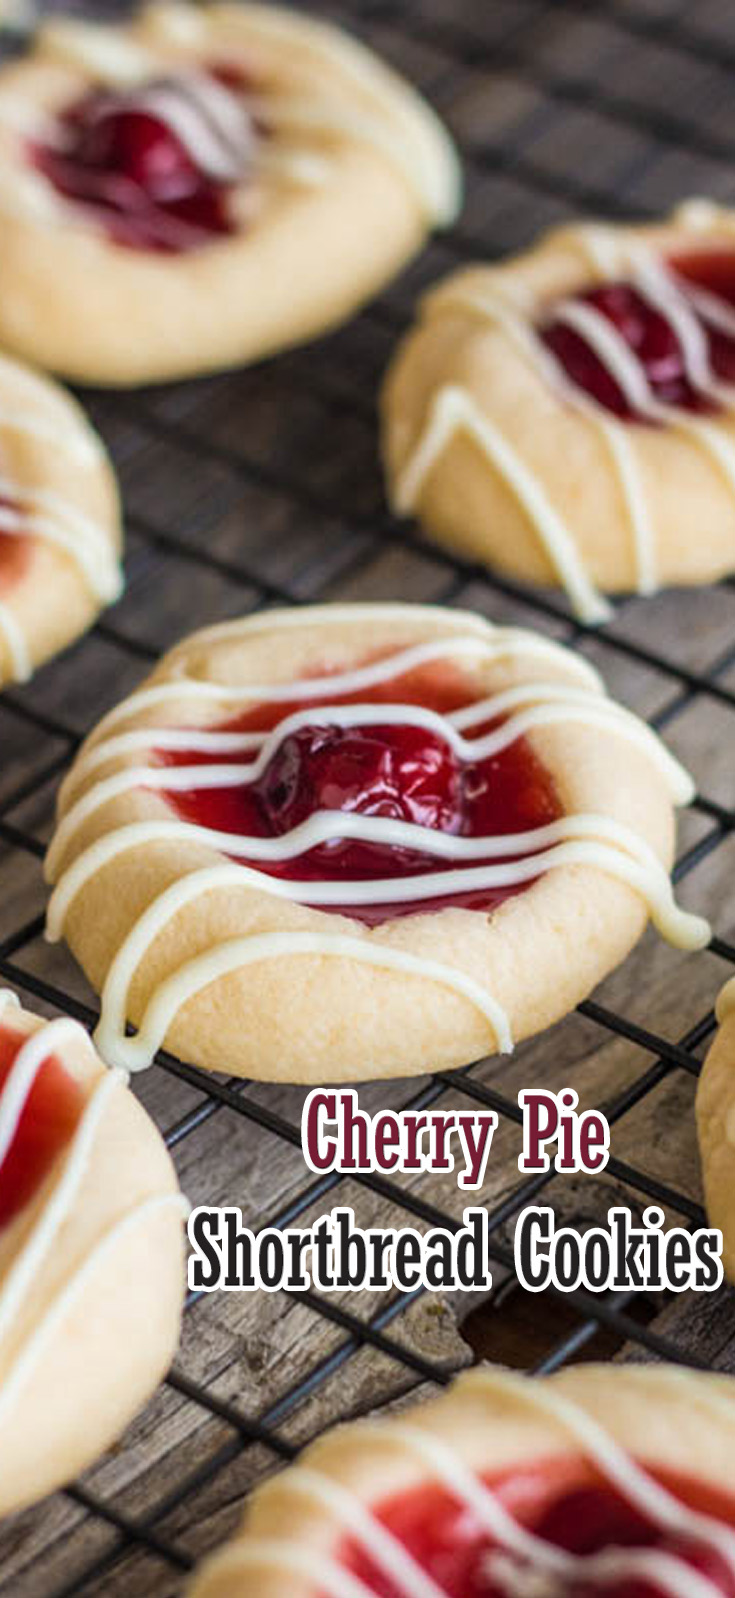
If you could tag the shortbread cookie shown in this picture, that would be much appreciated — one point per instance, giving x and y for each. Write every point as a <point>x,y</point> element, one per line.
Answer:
<point>91,1254</point>
<point>204,186</point>
<point>360,840</point>
<point>568,416</point>
<point>602,1479</point>
<point>59,522</point>
<point>716,1126</point>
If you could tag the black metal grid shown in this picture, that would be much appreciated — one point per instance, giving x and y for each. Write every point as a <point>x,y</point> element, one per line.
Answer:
<point>559,65</point>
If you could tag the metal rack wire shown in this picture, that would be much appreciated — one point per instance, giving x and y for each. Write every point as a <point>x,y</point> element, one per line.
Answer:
<point>522,81</point>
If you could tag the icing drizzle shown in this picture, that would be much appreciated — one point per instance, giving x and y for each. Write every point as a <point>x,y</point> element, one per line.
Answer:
<point>156,164</point>
<point>40,1105</point>
<point>520,1563</point>
<point>34,512</point>
<point>21,1274</point>
<point>505,861</point>
<point>377,110</point>
<point>206,118</point>
<point>683,306</point>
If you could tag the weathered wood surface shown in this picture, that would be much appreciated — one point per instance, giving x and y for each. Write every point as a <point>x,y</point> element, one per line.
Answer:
<point>272,476</point>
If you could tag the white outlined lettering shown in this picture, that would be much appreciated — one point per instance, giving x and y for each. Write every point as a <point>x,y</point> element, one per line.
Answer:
<point>336,1135</point>
<point>335,1255</point>
<point>621,1257</point>
<point>582,1137</point>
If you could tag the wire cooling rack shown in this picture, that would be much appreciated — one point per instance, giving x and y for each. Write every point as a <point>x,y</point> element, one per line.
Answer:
<point>261,488</point>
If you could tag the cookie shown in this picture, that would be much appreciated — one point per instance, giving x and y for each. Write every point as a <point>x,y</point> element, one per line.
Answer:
<point>59,522</point>
<point>91,1254</point>
<point>716,1126</point>
<point>359,841</point>
<point>568,416</point>
<point>204,186</point>
<point>600,1479</point>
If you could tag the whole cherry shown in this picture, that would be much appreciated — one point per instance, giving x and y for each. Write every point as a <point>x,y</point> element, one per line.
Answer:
<point>405,773</point>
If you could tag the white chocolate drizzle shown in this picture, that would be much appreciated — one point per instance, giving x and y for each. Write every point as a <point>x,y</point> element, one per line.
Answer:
<point>378,108</point>
<point>56,521</point>
<point>209,120</point>
<point>48,1328</point>
<point>24,1268</point>
<point>218,126</point>
<point>14,640</point>
<point>42,411</point>
<point>39,513</point>
<point>82,446</point>
<point>238,953</point>
<point>519,1563</point>
<point>309,121</point>
<point>506,861</point>
<point>454,410</point>
<point>488,645</point>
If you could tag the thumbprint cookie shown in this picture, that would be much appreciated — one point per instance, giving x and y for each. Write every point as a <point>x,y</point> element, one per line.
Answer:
<point>360,840</point>
<point>602,1479</point>
<point>568,416</point>
<point>716,1126</point>
<point>91,1254</point>
<point>203,186</point>
<point>59,522</point>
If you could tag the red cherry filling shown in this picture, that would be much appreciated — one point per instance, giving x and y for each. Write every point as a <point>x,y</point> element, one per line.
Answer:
<point>15,549</point>
<point>48,1121</point>
<point>650,335</point>
<point>156,165</point>
<point>401,772</point>
<point>565,1505</point>
<point>141,147</point>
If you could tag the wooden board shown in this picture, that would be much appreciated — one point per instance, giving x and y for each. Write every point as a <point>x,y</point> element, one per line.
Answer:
<point>264,486</point>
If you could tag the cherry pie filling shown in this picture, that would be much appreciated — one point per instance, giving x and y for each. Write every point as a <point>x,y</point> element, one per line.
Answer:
<point>567,1505</point>
<point>651,337</point>
<point>15,549</point>
<point>47,1123</point>
<point>156,166</point>
<point>401,772</point>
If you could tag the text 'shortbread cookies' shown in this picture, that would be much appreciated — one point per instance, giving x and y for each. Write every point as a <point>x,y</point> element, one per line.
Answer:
<point>360,840</point>
<point>204,186</point>
<point>91,1254</point>
<point>59,522</point>
<point>602,1479</point>
<point>568,415</point>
